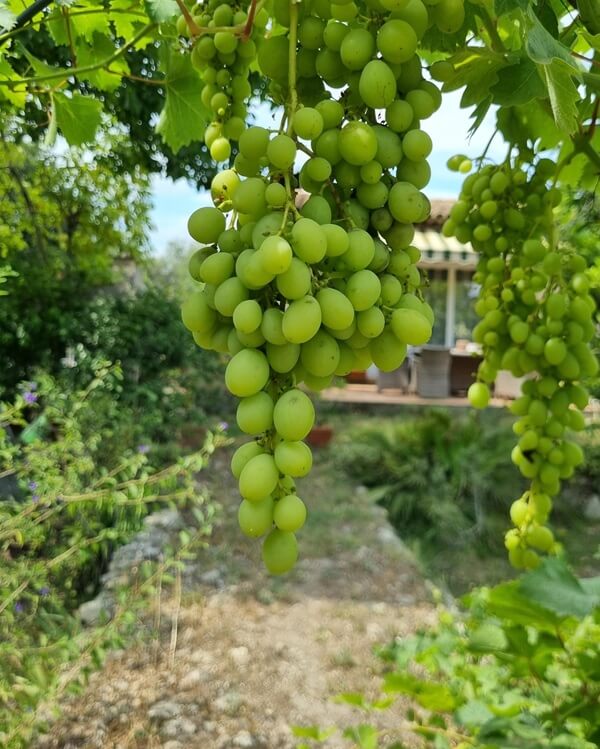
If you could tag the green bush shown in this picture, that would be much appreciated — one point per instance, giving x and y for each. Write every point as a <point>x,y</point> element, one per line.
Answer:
<point>68,510</point>
<point>519,669</point>
<point>439,474</point>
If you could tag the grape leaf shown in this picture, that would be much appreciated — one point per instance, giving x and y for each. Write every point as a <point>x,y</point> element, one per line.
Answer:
<point>428,694</point>
<point>92,54</point>
<point>553,586</point>
<point>8,74</point>
<point>543,48</point>
<point>87,25</point>
<point>7,17</point>
<point>124,23</point>
<point>518,84</point>
<point>161,10</point>
<point>563,95</point>
<point>184,117</point>
<point>507,6</point>
<point>78,117</point>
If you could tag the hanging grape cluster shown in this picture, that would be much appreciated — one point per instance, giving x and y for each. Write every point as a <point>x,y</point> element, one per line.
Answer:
<point>297,293</point>
<point>536,322</point>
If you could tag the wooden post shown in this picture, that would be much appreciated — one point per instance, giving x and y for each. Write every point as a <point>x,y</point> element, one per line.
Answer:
<point>450,307</point>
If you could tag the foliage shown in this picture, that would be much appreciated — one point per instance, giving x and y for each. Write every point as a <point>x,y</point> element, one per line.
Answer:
<point>66,222</point>
<point>519,668</point>
<point>67,513</point>
<point>438,475</point>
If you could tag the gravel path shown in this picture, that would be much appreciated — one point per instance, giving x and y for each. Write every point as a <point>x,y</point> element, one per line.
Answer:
<point>255,655</point>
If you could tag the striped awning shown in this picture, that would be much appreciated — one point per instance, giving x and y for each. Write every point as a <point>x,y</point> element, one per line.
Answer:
<point>443,252</point>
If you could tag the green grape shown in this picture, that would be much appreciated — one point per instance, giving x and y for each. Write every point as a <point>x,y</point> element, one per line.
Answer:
<point>223,186</point>
<point>370,322</point>
<point>253,143</point>
<point>296,281</point>
<point>331,111</point>
<point>294,415</point>
<point>247,373</point>
<point>281,151</point>
<point>416,145</point>
<point>276,195</point>
<point>242,455</point>
<point>275,255</point>
<point>216,268</point>
<point>280,552</point>
<point>302,319</point>
<point>307,123</point>
<point>258,478</point>
<point>363,289</point>
<point>247,316</point>
<point>283,358</point>
<point>205,225</point>
<point>410,326</point>
<point>327,146</point>
<point>397,41</point>
<point>336,310</point>
<point>308,240</point>
<point>406,203</point>
<point>293,458</point>
<point>318,169</point>
<point>254,414</point>
<point>399,115</point>
<point>478,395</point>
<point>289,513</point>
<point>249,198</point>
<point>387,351</point>
<point>377,85</point>
<point>357,48</point>
<point>228,295</point>
<point>318,209</point>
<point>320,355</point>
<point>256,518</point>
<point>361,250</point>
<point>357,143</point>
<point>271,326</point>
<point>196,313</point>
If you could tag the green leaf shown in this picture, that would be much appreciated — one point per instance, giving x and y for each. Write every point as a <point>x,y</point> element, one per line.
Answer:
<point>554,587</point>
<point>87,25</point>
<point>77,117</point>
<point>543,48</point>
<point>7,17</point>
<point>161,10</point>
<point>474,713</point>
<point>313,732</point>
<point>506,601</point>
<point>508,6</point>
<point>17,98</point>
<point>351,698</point>
<point>563,94</point>
<point>92,54</point>
<point>488,637</point>
<point>365,736</point>
<point>183,118</point>
<point>518,84</point>
<point>428,694</point>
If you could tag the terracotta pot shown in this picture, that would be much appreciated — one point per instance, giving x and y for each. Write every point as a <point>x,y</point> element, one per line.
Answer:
<point>357,378</point>
<point>319,436</point>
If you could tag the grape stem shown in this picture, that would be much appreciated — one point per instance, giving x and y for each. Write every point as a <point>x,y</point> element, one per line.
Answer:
<point>245,35</point>
<point>293,42</point>
<point>191,24</point>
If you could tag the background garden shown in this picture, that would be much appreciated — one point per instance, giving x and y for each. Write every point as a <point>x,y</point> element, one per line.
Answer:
<point>113,422</point>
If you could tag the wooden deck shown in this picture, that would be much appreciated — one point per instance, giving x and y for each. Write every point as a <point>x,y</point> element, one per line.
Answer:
<point>369,394</point>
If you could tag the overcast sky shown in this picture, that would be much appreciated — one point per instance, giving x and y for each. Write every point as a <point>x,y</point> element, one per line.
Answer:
<point>448,128</point>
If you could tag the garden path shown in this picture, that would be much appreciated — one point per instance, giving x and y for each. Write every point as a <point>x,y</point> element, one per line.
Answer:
<point>254,655</point>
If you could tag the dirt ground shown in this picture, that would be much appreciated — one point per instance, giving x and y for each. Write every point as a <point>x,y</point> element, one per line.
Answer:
<point>239,657</point>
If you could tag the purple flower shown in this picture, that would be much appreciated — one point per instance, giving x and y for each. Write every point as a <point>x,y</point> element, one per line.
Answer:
<point>29,396</point>
<point>143,449</point>
<point>19,607</point>
<point>223,425</point>
<point>44,591</point>
<point>35,497</point>
<point>32,485</point>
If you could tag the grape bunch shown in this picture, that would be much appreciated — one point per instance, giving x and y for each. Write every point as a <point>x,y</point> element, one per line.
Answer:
<point>307,270</point>
<point>223,55</point>
<point>536,322</point>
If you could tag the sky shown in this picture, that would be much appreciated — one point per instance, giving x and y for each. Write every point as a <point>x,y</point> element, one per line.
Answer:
<point>174,201</point>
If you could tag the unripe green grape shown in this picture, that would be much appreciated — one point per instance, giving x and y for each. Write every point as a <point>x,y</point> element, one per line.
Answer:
<point>281,151</point>
<point>249,198</point>
<point>216,268</point>
<point>247,373</point>
<point>318,169</point>
<point>377,85</point>
<point>397,41</point>
<point>372,196</point>
<point>318,209</point>
<point>308,240</point>
<point>275,254</point>
<point>276,195</point>
<point>294,415</point>
<point>296,281</point>
<point>410,326</point>
<point>416,145</point>
<point>247,316</point>
<point>307,123</point>
<point>242,455</point>
<point>293,458</point>
<point>357,143</point>
<point>302,320</point>
<point>283,358</point>
<point>333,36</point>
<point>327,146</point>
<point>387,351</point>
<point>336,310</point>
<point>399,115</point>
<point>336,238</point>
<point>290,513</point>
<point>407,204</point>
<point>331,111</point>
<point>320,355</point>
<point>357,48</point>
<point>256,518</point>
<point>478,395</point>
<point>205,225</point>
<point>519,513</point>
<point>254,414</point>
<point>280,552</point>
<point>196,314</point>
<point>253,143</point>
<point>370,322</point>
<point>258,478</point>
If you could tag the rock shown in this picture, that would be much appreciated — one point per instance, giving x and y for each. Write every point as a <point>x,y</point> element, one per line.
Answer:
<point>228,703</point>
<point>177,727</point>
<point>96,611</point>
<point>168,520</point>
<point>244,740</point>
<point>172,745</point>
<point>210,726</point>
<point>164,710</point>
<point>212,577</point>
<point>240,656</point>
<point>591,511</point>
<point>193,678</point>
